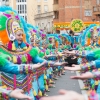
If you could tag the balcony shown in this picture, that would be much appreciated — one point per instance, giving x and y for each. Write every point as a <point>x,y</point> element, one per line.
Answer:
<point>55,7</point>
<point>96,10</point>
<point>43,15</point>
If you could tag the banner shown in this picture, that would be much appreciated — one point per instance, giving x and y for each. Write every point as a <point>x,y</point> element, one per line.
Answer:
<point>77,25</point>
<point>67,25</point>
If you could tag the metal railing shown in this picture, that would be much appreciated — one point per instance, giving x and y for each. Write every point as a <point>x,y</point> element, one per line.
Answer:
<point>96,9</point>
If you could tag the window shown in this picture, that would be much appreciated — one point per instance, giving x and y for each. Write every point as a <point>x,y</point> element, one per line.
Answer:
<point>98,2</point>
<point>88,12</point>
<point>55,1</point>
<point>25,9</point>
<point>45,0</point>
<point>56,14</point>
<point>38,24</point>
<point>95,9</point>
<point>45,8</point>
<point>39,9</point>
<point>20,8</point>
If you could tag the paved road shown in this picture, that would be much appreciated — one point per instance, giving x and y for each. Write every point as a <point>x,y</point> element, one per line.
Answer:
<point>64,82</point>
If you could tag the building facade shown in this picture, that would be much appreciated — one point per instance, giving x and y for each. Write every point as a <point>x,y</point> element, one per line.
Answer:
<point>96,10</point>
<point>73,9</point>
<point>35,12</point>
<point>44,15</point>
<point>11,3</point>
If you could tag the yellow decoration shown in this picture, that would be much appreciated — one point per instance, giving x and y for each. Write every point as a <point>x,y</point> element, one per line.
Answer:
<point>34,93</point>
<point>25,48</point>
<point>99,69</point>
<point>50,81</point>
<point>13,46</point>
<point>45,77</point>
<point>56,69</point>
<point>46,87</point>
<point>14,59</point>
<point>96,82</point>
<point>4,87</point>
<point>40,93</point>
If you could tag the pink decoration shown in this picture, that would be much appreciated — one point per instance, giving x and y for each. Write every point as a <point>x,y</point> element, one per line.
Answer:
<point>17,17</point>
<point>7,15</point>
<point>29,58</point>
<point>10,45</point>
<point>14,81</point>
<point>74,45</point>
<point>28,89</point>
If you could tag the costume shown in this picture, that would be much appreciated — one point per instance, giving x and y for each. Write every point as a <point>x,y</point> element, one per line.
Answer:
<point>20,53</point>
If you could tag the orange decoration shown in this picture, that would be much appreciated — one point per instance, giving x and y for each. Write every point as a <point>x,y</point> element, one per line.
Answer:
<point>66,42</point>
<point>88,41</point>
<point>4,37</point>
<point>56,44</point>
<point>24,37</point>
<point>99,40</point>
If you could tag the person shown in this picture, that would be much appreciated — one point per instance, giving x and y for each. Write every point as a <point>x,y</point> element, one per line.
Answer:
<point>9,67</point>
<point>65,95</point>
<point>17,93</point>
<point>85,67</point>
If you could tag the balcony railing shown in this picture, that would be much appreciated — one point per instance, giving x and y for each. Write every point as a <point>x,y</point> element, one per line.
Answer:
<point>55,7</point>
<point>42,15</point>
<point>96,9</point>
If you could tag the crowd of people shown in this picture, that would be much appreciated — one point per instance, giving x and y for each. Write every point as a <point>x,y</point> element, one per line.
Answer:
<point>30,63</point>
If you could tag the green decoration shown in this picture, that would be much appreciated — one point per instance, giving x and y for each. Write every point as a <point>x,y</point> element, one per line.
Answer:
<point>47,52</point>
<point>3,61</point>
<point>41,54</point>
<point>89,35</point>
<point>88,48</point>
<point>3,20</point>
<point>23,59</point>
<point>4,52</point>
<point>50,46</point>
<point>34,52</point>
<point>44,82</point>
<point>93,86</point>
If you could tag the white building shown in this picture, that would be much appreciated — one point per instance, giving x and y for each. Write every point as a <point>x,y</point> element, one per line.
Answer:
<point>4,2</point>
<point>21,6</point>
